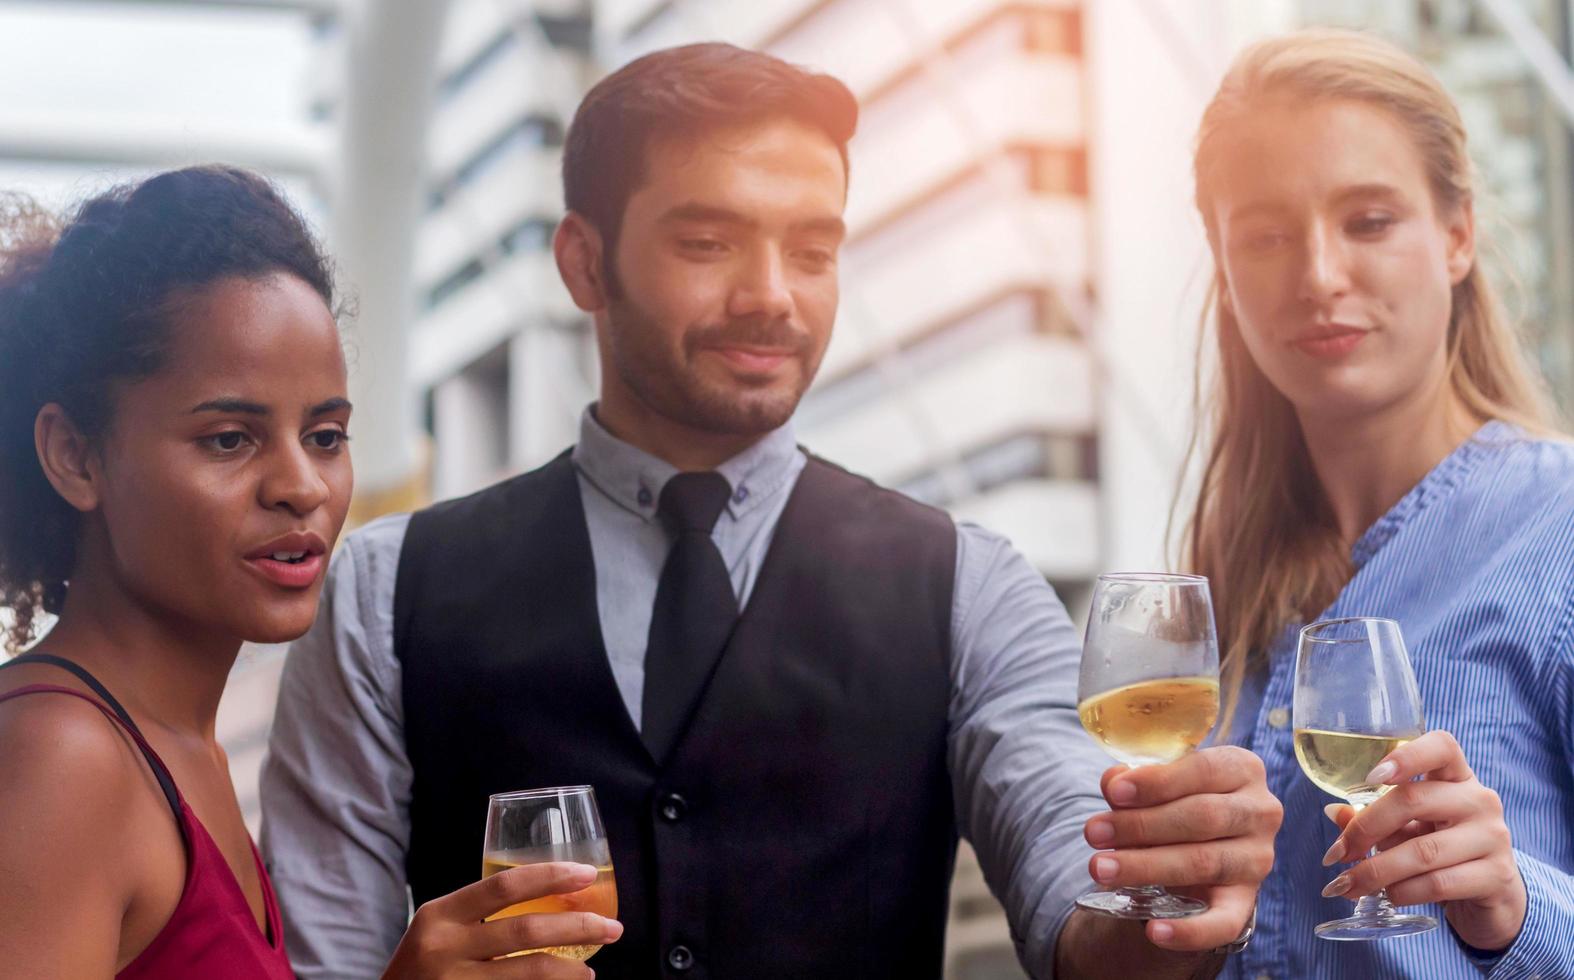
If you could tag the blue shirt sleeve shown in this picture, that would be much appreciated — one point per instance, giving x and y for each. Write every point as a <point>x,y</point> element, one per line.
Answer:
<point>1024,774</point>
<point>1544,948</point>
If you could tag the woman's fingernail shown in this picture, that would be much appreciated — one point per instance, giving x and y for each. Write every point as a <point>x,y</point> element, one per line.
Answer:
<point>1334,853</point>
<point>582,872</point>
<point>1337,887</point>
<point>1162,932</point>
<point>1383,772</point>
<point>1121,791</point>
<point>1105,869</point>
<point>1100,832</point>
<point>1331,811</point>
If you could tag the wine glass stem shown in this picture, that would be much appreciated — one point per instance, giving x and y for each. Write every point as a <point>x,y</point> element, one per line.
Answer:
<point>1375,905</point>
<point>1142,896</point>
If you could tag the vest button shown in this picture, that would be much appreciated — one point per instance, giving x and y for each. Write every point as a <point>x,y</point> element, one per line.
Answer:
<point>680,958</point>
<point>673,808</point>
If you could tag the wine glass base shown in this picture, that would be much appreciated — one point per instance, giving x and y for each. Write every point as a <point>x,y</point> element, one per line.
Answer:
<point>1359,928</point>
<point>1120,905</point>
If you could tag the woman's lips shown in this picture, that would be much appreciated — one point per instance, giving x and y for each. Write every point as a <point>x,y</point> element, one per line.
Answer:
<point>1331,343</point>
<point>290,575</point>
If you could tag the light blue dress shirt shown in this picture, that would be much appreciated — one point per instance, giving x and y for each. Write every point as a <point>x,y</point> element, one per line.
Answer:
<point>1476,563</point>
<point>336,783</point>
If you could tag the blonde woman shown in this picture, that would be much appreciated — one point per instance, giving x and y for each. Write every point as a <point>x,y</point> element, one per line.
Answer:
<point>1376,447</point>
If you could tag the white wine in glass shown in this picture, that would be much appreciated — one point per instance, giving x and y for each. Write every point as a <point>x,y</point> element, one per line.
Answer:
<point>1148,694</point>
<point>1356,700</point>
<point>1153,721</point>
<point>537,826</point>
<point>1339,761</point>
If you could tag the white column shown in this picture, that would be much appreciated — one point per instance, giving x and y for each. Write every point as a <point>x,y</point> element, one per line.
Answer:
<point>377,205</point>
<point>469,418</point>
<point>551,380</point>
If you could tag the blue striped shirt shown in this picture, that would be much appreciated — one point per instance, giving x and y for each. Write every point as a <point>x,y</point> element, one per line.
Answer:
<point>1476,563</point>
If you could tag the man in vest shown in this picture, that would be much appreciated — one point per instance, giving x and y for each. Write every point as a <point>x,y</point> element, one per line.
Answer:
<point>791,689</point>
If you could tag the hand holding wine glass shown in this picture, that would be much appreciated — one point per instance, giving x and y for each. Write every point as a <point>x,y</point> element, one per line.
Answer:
<point>1204,821</point>
<point>538,826</point>
<point>1442,839</point>
<point>1356,702</point>
<point>459,935</point>
<point>1204,824</point>
<point>546,888</point>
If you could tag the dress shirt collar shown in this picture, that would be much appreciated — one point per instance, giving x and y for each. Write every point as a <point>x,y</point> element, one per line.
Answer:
<point>633,478</point>
<point>1435,486</point>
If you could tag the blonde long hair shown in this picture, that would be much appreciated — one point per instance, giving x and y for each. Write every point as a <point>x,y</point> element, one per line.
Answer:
<point>1262,529</point>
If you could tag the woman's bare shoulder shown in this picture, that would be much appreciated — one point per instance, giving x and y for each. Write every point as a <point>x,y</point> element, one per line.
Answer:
<point>78,834</point>
<point>64,763</point>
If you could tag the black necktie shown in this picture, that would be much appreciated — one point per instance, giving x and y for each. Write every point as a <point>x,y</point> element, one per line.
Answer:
<point>695,609</point>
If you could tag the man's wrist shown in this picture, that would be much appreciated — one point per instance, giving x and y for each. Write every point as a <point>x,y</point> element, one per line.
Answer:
<point>1091,945</point>
<point>1244,939</point>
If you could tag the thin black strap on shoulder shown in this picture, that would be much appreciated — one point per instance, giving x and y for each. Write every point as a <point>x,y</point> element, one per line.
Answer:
<point>166,782</point>
<point>81,675</point>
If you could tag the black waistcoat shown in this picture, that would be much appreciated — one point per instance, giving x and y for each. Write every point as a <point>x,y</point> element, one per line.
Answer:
<point>801,828</point>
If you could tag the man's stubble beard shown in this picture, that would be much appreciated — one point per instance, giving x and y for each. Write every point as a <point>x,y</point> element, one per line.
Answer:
<point>671,389</point>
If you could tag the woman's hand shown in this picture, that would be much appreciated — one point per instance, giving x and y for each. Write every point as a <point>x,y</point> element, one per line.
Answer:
<point>1439,840</point>
<point>449,939</point>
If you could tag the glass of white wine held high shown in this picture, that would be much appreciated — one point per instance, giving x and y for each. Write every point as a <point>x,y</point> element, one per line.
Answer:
<point>1356,700</point>
<point>560,823</point>
<point>1148,693</point>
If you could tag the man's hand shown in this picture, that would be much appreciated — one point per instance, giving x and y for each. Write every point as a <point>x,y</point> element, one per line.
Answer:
<point>448,938</point>
<point>1442,839</point>
<point>1203,825</point>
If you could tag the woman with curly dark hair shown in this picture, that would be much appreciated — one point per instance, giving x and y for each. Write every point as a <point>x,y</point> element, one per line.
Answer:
<point>173,473</point>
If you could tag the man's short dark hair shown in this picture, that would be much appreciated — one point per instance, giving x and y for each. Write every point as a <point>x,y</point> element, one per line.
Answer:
<point>683,92</point>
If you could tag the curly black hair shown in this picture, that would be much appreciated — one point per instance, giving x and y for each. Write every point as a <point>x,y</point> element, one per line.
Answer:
<point>85,307</point>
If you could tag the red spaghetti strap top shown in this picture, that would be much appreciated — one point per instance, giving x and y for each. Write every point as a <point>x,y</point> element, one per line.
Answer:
<point>212,932</point>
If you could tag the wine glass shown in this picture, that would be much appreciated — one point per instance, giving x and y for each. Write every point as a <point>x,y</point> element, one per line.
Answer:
<point>1148,693</point>
<point>1356,701</point>
<point>560,823</point>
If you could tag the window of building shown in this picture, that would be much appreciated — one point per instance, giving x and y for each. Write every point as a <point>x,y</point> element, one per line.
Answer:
<point>570,32</point>
<point>325,27</point>
<point>534,131</point>
<point>1053,31</point>
<point>1070,456</point>
<point>492,52</point>
<point>454,282</point>
<point>1056,169</point>
<point>534,234</point>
